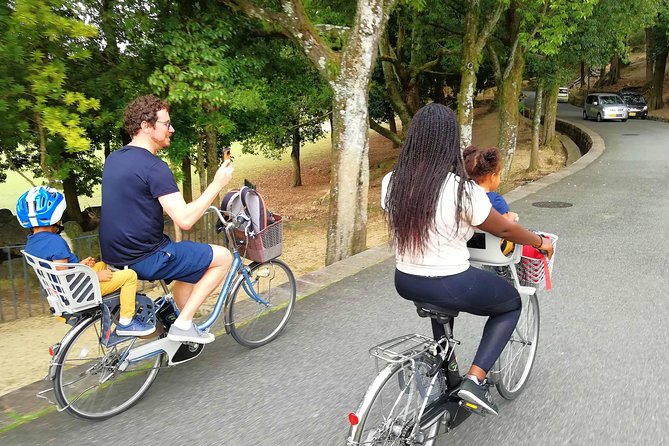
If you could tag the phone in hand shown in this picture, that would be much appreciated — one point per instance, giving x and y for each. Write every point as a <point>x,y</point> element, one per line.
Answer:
<point>226,154</point>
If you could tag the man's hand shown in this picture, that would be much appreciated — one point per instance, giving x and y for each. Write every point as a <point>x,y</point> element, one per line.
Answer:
<point>104,275</point>
<point>224,174</point>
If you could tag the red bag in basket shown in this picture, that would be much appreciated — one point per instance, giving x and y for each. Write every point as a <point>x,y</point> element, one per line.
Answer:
<point>533,253</point>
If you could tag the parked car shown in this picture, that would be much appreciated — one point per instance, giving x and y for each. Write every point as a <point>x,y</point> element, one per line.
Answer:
<point>637,107</point>
<point>563,94</point>
<point>603,106</point>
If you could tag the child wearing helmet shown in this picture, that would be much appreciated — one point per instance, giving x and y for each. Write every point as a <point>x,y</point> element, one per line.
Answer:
<point>41,209</point>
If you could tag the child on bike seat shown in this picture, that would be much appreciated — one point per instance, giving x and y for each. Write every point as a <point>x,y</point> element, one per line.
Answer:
<point>41,209</point>
<point>485,167</point>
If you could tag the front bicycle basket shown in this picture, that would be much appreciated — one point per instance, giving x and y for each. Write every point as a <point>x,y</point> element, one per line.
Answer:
<point>537,271</point>
<point>266,245</point>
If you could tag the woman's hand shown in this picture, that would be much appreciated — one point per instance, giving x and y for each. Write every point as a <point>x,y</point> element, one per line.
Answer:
<point>547,246</point>
<point>512,216</point>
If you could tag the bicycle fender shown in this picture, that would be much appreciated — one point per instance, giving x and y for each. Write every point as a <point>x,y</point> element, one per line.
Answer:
<point>63,343</point>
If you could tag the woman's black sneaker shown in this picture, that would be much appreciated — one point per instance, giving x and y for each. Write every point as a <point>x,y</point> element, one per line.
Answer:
<point>478,394</point>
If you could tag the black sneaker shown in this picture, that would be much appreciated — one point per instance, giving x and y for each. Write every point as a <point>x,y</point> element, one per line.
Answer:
<point>477,394</point>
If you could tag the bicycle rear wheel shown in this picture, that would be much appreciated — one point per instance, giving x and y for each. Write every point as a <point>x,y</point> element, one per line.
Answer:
<point>515,363</point>
<point>254,323</point>
<point>388,412</point>
<point>89,382</point>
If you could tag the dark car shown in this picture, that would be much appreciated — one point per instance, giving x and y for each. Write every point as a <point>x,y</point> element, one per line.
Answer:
<point>636,104</point>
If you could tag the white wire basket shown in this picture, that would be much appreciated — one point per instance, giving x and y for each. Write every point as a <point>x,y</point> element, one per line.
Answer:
<point>533,271</point>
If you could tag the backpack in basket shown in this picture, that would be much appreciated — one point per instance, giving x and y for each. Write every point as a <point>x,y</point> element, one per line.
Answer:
<point>262,236</point>
<point>249,202</point>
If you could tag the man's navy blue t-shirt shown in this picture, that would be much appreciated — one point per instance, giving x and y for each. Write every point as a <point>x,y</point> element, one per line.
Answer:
<point>131,220</point>
<point>498,202</point>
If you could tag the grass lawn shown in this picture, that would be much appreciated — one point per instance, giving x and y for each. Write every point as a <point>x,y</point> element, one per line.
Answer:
<point>246,166</point>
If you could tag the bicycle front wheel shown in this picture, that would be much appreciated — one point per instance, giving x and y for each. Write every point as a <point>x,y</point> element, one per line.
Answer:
<point>91,381</point>
<point>253,323</point>
<point>391,406</point>
<point>515,363</point>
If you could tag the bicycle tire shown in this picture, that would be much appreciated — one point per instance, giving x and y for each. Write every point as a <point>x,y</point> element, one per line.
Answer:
<point>516,361</point>
<point>251,323</point>
<point>387,413</point>
<point>87,381</point>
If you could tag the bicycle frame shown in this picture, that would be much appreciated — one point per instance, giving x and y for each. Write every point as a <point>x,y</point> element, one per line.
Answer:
<point>237,269</point>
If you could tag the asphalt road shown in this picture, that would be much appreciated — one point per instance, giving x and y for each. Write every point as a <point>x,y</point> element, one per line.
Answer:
<point>601,373</point>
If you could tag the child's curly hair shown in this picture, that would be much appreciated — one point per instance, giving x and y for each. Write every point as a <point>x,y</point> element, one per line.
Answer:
<point>480,163</point>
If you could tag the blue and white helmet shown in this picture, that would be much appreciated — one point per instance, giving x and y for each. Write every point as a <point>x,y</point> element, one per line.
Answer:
<point>40,206</point>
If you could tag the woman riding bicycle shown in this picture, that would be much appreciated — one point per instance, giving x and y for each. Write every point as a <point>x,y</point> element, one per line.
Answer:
<point>432,210</point>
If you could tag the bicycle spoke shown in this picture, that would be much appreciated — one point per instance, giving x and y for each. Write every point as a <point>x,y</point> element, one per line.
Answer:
<point>88,380</point>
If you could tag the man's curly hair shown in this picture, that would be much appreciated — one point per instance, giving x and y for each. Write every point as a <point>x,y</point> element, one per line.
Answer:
<point>144,108</point>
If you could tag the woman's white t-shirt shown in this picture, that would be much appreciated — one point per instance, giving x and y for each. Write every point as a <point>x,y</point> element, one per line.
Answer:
<point>445,252</point>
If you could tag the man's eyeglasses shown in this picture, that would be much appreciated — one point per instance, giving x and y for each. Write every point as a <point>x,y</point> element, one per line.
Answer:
<point>168,124</point>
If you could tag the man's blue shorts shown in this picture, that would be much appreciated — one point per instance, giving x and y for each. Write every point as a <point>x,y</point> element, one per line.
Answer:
<point>185,261</point>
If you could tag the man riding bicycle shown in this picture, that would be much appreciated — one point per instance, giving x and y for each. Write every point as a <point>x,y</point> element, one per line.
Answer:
<point>137,189</point>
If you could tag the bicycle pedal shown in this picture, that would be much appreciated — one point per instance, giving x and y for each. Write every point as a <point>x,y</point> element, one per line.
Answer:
<point>474,408</point>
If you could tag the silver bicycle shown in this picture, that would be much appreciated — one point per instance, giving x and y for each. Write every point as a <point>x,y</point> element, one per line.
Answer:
<point>97,374</point>
<point>414,396</point>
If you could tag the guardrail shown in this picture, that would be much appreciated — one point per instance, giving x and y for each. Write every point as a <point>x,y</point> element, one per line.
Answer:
<point>20,293</point>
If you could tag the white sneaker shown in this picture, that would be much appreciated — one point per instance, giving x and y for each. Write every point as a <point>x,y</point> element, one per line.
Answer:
<point>190,335</point>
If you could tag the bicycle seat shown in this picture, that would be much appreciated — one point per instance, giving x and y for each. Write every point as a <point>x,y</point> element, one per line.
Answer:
<point>441,314</point>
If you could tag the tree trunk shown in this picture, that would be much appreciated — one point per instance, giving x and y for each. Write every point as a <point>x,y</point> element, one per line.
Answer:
<point>474,41</point>
<point>466,106</point>
<point>187,183</point>
<point>393,127</point>
<point>550,116</point>
<point>602,77</point>
<point>201,170</point>
<point>657,102</point>
<point>649,54</point>
<point>468,66</point>
<point>438,95</point>
<point>349,183</point>
<point>536,127</point>
<point>614,71</point>
<point>508,97</point>
<point>582,74</point>
<point>41,133</point>
<point>393,88</point>
<point>348,74</point>
<point>73,210</point>
<point>295,157</point>
<point>107,144</point>
<point>212,153</point>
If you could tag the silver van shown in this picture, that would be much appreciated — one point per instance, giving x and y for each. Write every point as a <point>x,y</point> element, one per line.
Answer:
<point>601,106</point>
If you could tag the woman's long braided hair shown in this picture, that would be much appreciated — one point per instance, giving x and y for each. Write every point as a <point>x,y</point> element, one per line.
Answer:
<point>430,153</point>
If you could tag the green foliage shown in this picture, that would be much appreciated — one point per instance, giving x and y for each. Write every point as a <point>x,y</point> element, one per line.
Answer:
<point>297,99</point>
<point>39,39</point>
<point>605,32</point>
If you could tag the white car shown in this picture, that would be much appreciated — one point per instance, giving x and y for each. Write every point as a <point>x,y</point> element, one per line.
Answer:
<point>604,106</point>
<point>563,94</point>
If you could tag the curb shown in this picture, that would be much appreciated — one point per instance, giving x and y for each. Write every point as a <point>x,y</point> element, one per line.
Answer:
<point>657,118</point>
<point>595,152</point>
<point>21,406</point>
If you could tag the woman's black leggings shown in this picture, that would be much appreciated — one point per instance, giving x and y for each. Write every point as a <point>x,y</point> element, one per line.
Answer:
<point>474,291</point>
